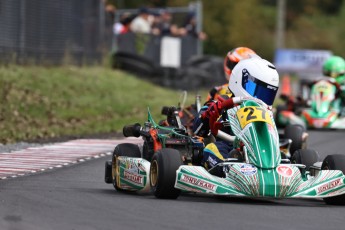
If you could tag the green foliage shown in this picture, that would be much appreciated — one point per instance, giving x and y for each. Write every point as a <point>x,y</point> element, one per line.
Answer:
<point>41,102</point>
<point>320,31</point>
<point>239,23</point>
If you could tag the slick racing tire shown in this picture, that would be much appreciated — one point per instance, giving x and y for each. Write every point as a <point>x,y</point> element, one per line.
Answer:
<point>334,162</point>
<point>107,175</point>
<point>306,157</point>
<point>134,63</point>
<point>213,65</point>
<point>127,150</point>
<point>295,133</point>
<point>163,168</point>
<point>191,78</point>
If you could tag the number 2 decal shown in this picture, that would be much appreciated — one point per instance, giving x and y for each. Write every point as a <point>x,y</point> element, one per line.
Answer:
<point>250,114</point>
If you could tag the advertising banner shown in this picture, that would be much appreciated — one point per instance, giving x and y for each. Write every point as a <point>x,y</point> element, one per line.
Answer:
<point>301,62</point>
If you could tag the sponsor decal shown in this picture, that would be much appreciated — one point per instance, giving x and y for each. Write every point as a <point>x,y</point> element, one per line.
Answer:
<point>272,87</point>
<point>248,170</point>
<point>212,161</point>
<point>141,167</point>
<point>131,166</point>
<point>198,182</point>
<point>284,170</point>
<point>330,185</point>
<point>132,177</point>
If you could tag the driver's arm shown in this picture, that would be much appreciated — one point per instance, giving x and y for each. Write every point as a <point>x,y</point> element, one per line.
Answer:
<point>209,114</point>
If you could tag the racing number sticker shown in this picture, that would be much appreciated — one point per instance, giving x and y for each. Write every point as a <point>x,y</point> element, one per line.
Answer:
<point>250,114</point>
<point>323,86</point>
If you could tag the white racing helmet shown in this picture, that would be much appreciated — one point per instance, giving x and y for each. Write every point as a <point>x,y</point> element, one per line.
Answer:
<point>255,77</point>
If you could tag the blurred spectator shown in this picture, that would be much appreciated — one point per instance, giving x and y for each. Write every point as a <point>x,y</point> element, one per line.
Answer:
<point>165,26</point>
<point>189,27</point>
<point>156,21</point>
<point>109,14</point>
<point>123,26</point>
<point>141,23</point>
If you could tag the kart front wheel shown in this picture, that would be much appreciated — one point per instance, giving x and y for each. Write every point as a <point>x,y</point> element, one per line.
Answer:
<point>306,157</point>
<point>295,133</point>
<point>334,162</point>
<point>126,150</point>
<point>164,165</point>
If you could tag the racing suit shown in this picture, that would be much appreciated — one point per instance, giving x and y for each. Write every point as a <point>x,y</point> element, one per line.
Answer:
<point>212,117</point>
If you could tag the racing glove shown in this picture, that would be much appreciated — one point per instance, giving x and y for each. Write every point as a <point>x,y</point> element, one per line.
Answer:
<point>215,107</point>
<point>214,111</point>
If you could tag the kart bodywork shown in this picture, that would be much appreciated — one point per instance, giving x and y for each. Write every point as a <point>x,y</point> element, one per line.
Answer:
<point>283,181</point>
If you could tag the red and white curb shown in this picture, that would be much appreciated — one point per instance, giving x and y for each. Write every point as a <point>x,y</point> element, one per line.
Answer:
<point>39,159</point>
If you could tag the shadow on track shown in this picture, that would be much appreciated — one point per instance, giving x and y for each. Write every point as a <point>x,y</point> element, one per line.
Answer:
<point>205,198</point>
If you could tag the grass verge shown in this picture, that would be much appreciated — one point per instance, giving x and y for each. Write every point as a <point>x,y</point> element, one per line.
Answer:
<point>39,102</point>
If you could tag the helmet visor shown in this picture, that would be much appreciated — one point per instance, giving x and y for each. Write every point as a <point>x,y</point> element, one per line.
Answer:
<point>259,89</point>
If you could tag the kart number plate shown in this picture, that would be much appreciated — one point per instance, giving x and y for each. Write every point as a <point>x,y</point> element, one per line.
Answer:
<point>250,114</point>
<point>324,87</point>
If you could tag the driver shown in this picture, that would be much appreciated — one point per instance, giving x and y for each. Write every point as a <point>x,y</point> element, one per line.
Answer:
<point>334,67</point>
<point>253,77</point>
<point>230,61</point>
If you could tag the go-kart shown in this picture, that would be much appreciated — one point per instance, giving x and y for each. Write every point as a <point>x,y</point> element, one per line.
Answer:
<point>169,162</point>
<point>324,110</point>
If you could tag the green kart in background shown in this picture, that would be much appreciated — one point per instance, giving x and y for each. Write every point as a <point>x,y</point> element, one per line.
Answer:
<point>324,111</point>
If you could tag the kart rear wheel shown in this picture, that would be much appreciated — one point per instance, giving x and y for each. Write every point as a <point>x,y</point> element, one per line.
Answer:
<point>127,150</point>
<point>295,133</point>
<point>163,168</point>
<point>107,174</point>
<point>334,162</point>
<point>306,157</point>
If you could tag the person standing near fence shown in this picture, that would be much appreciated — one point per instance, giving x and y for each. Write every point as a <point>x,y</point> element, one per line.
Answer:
<point>141,23</point>
<point>166,27</point>
<point>189,27</point>
<point>123,26</point>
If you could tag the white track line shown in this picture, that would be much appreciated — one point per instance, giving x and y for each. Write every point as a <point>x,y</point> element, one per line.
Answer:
<point>38,159</point>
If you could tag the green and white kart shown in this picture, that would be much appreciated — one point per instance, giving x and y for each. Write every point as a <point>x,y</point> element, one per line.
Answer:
<point>256,169</point>
<point>325,111</point>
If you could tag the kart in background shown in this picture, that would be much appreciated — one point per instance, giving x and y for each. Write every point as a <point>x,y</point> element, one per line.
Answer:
<point>170,162</point>
<point>323,111</point>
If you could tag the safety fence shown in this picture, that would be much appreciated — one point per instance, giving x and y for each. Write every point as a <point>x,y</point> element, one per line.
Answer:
<point>51,32</point>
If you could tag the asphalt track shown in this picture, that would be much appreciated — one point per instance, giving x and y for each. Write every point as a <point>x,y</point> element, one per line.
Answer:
<point>75,197</point>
